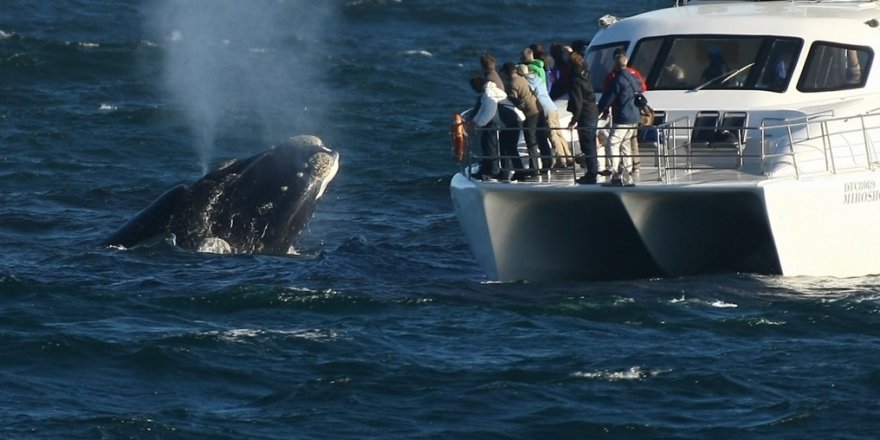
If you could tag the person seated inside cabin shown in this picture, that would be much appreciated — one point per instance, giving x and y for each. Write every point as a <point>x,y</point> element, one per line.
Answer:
<point>773,77</point>
<point>853,67</point>
<point>672,74</point>
<point>717,66</point>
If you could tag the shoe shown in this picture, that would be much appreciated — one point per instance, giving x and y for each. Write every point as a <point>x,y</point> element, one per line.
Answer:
<point>529,178</point>
<point>525,176</point>
<point>586,180</point>
<point>605,173</point>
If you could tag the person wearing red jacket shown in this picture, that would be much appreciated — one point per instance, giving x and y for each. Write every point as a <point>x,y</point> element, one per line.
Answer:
<point>634,141</point>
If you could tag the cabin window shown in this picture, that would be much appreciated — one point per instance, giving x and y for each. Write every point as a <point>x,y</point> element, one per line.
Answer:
<point>776,72</point>
<point>645,54</point>
<point>833,66</point>
<point>600,61</point>
<point>697,62</point>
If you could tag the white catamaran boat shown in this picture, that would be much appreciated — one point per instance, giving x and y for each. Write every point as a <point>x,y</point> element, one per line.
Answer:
<point>772,167</point>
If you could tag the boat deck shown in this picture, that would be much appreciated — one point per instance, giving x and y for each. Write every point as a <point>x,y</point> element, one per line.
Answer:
<point>647,176</point>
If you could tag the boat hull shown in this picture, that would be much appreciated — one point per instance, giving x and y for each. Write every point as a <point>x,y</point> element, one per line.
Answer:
<point>585,232</point>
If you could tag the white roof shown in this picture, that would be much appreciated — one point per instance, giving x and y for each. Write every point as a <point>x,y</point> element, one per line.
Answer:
<point>841,21</point>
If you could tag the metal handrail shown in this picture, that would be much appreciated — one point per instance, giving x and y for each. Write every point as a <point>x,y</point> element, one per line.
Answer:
<point>838,140</point>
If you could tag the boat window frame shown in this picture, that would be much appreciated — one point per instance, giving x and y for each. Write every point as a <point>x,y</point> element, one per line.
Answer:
<point>599,80</point>
<point>864,71</point>
<point>762,54</point>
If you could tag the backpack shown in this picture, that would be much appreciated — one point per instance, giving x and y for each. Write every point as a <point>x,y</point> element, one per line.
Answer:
<point>639,99</point>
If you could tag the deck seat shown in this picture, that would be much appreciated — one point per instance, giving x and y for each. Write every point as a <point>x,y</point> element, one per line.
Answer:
<point>716,139</point>
<point>649,138</point>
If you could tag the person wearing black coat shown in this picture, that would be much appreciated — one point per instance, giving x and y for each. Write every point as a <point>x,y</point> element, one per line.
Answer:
<point>584,114</point>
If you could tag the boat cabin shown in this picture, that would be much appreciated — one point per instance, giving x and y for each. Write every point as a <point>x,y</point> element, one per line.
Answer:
<point>721,88</point>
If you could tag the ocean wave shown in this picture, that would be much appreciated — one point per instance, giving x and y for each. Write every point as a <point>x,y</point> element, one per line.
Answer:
<point>418,52</point>
<point>717,303</point>
<point>246,335</point>
<point>632,373</point>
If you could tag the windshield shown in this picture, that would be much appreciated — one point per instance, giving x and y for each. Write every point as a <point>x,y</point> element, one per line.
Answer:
<point>700,62</point>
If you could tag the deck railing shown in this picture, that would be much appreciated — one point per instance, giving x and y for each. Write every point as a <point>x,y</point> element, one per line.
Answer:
<point>806,145</point>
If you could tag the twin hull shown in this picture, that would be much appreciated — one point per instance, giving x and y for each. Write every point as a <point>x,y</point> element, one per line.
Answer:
<point>811,226</point>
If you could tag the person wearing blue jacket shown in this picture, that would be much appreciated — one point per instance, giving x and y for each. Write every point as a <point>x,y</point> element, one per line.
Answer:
<point>549,129</point>
<point>625,114</point>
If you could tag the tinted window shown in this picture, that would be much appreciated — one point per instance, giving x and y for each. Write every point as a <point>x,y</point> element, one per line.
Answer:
<point>835,67</point>
<point>688,62</point>
<point>600,61</point>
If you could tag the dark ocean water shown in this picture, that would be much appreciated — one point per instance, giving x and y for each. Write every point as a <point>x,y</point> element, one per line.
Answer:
<point>383,326</point>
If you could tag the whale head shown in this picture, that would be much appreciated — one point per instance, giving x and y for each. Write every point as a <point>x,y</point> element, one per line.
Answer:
<point>255,205</point>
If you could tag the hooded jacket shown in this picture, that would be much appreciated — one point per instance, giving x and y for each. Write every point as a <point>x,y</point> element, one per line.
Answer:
<point>581,97</point>
<point>537,67</point>
<point>490,99</point>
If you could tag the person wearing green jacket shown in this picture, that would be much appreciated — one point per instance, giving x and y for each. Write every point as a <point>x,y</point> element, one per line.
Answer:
<point>535,66</point>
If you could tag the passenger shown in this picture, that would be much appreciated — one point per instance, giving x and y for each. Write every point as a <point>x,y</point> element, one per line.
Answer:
<point>490,70</point>
<point>557,76</point>
<point>672,74</point>
<point>635,171</point>
<point>620,99</point>
<point>717,67</point>
<point>549,62</point>
<point>495,112</point>
<point>584,114</point>
<point>536,66</point>
<point>580,46</point>
<point>485,116</point>
<point>774,74</point>
<point>853,67</point>
<point>519,92</point>
<point>548,125</point>
<point>510,138</point>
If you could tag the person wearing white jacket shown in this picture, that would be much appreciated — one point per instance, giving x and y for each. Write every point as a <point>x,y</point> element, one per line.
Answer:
<point>492,112</point>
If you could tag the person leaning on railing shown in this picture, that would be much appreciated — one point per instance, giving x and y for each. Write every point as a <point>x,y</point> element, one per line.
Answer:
<point>492,112</point>
<point>548,124</point>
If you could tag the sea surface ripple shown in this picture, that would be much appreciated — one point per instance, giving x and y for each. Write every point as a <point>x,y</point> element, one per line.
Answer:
<point>382,326</point>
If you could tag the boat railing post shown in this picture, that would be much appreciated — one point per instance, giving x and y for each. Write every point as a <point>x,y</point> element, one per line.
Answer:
<point>830,165</point>
<point>868,159</point>
<point>657,154</point>
<point>571,134</point>
<point>763,138</point>
<point>797,173</point>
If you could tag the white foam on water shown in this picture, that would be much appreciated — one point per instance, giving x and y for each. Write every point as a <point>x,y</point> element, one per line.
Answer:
<point>418,52</point>
<point>244,335</point>
<point>633,373</point>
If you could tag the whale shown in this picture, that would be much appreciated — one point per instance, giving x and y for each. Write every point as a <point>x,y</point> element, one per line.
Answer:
<point>258,205</point>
